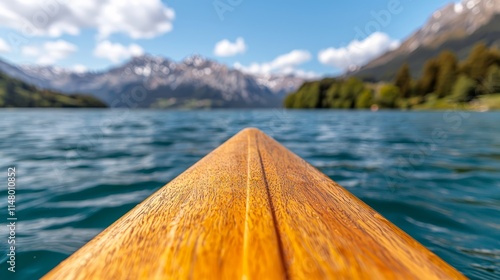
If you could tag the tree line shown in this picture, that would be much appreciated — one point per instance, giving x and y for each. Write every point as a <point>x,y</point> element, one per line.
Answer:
<point>444,79</point>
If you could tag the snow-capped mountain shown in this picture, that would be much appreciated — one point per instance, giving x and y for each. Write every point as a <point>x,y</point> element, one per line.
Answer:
<point>454,20</point>
<point>457,26</point>
<point>160,82</point>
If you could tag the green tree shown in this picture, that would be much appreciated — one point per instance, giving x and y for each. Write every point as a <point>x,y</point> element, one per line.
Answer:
<point>428,81</point>
<point>495,55</point>
<point>349,91</point>
<point>464,89</point>
<point>388,96</point>
<point>332,94</point>
<point>479,60</point>
<point>324,86</point>
<point>448,70</point>
<point>308,96</point>
<point>492,82</point>
<point>289,101</point>
<point>403,81</point>
<point>365,99</point>
<point>327,93</point>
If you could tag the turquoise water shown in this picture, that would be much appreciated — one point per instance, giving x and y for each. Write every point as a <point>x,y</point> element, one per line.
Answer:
<point>435,175</point>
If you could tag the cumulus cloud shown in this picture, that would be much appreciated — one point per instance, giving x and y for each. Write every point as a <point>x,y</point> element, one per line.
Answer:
<point>4,47</point>
<point>284,64</point>
<point>135,18</point>
<point>226,48</point>
<point>50,52</point>
<point>358,53</point>
<point>116,52</point>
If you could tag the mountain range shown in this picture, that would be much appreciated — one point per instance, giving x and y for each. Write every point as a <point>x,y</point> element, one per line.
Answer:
<point>196,82</point>
<point>456,27</point>
<point>15,94</point>
<point>151,81</point>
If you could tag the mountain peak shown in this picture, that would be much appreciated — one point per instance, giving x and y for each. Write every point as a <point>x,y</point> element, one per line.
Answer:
<point>452,21</point>
<point>199,61</point>
<point>147,58</point>
<point>456,26</point>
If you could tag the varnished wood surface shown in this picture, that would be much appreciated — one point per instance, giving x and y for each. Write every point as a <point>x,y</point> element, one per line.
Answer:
<point>251,209</point>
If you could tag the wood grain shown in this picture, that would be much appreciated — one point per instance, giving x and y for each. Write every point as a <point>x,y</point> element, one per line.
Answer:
<point>251,209</point>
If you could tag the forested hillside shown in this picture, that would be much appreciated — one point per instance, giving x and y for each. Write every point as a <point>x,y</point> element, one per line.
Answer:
<point>445,83</point>
<point>14,93</point>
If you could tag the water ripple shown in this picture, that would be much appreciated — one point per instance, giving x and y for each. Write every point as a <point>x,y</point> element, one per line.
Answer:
<point>79,171</point>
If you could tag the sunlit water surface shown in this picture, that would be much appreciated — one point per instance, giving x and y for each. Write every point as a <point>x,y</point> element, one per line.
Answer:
<point>435,175</point>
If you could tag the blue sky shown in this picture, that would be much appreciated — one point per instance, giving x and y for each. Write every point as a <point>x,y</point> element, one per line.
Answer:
<point>307,38</point>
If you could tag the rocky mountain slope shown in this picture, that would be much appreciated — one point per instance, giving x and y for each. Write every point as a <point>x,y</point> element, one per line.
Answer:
<point>457,27</point>
<point>151,81</point>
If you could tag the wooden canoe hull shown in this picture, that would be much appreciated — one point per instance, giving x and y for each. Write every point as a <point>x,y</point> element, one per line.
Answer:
<point>252,209</point>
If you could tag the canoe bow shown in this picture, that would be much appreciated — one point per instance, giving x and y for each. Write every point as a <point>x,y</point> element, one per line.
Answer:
<point>251,209</point>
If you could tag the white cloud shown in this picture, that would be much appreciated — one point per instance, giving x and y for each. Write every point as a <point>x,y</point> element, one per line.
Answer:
<point>284,64</point>
<point>50,52</point>
<point>79,68</point>
<point>30,51</point>
<point>116,52</point>
<point>135,18</point>
<point>4,47</point>
<point>358,53</point>
<point>226,48</point>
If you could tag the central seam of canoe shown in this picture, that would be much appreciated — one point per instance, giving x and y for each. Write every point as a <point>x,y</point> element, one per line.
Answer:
<point>252,209</point>
<point>260,209</point>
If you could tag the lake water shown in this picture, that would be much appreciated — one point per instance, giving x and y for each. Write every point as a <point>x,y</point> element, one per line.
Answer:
<point>435,175</point>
